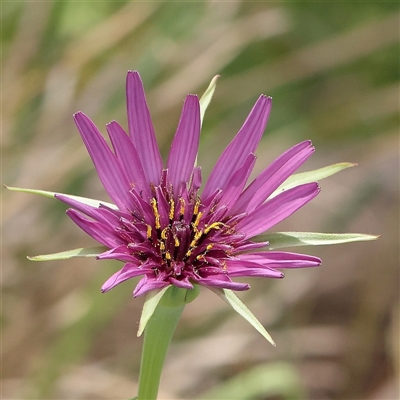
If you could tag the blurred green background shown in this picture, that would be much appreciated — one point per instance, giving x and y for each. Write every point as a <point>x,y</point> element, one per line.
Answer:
<point>332,69</point>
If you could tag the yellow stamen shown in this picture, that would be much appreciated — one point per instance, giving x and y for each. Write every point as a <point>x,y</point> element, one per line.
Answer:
<point>148,231</point>
<point>168,256</point>
<point>182,203</point>
<point>164,234</point>
<point>196,207</point>
<point>196,238</point>
<point>162,246</point>
<point>197,221</point>
<point>177,243</point>
<point>214,225</point>
<point>153,203</point>
<point>171,209</point>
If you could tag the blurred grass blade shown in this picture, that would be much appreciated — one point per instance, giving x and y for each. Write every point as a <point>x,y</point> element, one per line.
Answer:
<point>84,200</point>
<point>150,303</point>
<point>207,96</point>
<point>312,176</point>
<point>292,239</point>
<point>65,255</point>
<point>230,297</point>
<point>273,380</point>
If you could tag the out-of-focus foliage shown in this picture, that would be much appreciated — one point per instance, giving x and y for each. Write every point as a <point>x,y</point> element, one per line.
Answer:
<point>332,68</point>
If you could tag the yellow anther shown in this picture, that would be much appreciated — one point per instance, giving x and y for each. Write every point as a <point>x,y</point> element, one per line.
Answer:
<point>168,256</point>
<point>164,234</point>
<point>200,257</point>
<point>162,246</point>
<point>209,246</point>
<point>196,238</point>
<point>182,206</point>
<point>198,217</point>
<point>189,253</point>
<point>171,209</point>
<point>153,203</point>
<point>148,231</point>
<point>177,243</point>
<point>196,207</point>
<point>214,225</point>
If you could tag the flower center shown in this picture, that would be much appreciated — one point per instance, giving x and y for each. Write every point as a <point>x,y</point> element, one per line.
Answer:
<point>186,241</point>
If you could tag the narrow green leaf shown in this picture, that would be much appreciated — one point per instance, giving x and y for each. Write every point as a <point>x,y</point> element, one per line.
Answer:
<point>312,176</point>
<point>65,255</point>
<point>230,297</point>
<point>292,239</point>
<point>150,304</point>
<point>207,96</point>
<point>84,200</point>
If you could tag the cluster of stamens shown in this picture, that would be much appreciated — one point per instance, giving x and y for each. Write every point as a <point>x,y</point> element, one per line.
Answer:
<point>182,242</point>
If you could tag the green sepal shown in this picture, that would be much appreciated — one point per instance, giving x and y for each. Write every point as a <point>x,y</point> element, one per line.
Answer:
<point>84,200</point>
<point>293,239</point>
<point>176,297</point>
<point>65,255</point>
<point>151,301</point>
<point>207,96</point>
<point>312,176</point>
<point>230,297</point>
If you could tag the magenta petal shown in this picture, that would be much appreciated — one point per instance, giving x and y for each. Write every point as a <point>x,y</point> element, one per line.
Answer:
<point>273,176</point>
<point>97,230</point>
<point>251,246</point>
<point>244,143</point>
<point>146,285</point>
<point>127,272</point>
<point>196,179</point>
<point>90,211</point>
<point>185,145</point>
<point>237,181</point>
<point>141,128</point>
<point>103,215</point>
<point>223,283</point>
<point>246,268</point>
<point>108,168</point>
<point>280,259</point>
<point>183,284</point>
<point>119,253</point>
<point>128,156</point>
<point>277,209</point>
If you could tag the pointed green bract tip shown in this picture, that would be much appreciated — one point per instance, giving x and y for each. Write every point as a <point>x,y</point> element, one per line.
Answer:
<point>231,298</point>
<point>207,96</point>
<point>65,255</point>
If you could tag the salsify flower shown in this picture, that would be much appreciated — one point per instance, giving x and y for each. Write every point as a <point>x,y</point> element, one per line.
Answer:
<point>168,231</point>
<point>171,232</point>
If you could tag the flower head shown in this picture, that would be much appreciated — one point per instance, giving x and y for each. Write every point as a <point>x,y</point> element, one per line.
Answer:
<point>163,227</point>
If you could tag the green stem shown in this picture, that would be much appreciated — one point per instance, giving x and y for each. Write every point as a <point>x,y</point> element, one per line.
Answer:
<point>157,337</point>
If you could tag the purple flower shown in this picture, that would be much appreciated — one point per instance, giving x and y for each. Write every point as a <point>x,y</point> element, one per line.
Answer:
<point>168,231</point>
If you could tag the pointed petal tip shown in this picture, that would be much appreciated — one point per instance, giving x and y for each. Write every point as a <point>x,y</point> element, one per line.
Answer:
<point>133,76</point>
<point>266,98</point>
<point>79,114</point>
<point>192,98</point>
<point>133,72</point>
<point>113,122</point>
